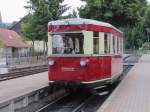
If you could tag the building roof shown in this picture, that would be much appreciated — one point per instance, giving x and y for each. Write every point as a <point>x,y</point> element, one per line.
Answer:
<point>17,25</point>
<point>10,38</point>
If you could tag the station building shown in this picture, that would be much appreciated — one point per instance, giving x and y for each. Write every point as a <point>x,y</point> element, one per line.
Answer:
<point>11,44</point>
<point>38,45</point>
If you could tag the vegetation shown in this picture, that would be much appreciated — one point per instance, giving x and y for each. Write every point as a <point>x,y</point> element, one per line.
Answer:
<point>134,36</point>
<point>131,16</point>
<point>34,26</point>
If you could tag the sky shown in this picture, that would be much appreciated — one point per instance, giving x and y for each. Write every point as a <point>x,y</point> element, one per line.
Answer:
<point>13,10</point>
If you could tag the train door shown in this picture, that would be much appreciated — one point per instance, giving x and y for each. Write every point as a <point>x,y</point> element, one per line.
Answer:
<point>103,43</point>
<point>107,57</point>
<point>116,60</point>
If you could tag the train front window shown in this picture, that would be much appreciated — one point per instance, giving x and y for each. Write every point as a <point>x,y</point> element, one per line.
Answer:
<point>67,43</point>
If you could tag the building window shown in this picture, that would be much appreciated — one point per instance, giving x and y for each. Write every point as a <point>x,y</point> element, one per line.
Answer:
<point>96,45</point>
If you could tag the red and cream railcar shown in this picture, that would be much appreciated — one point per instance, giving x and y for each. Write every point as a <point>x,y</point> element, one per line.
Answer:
<point>84,52</point>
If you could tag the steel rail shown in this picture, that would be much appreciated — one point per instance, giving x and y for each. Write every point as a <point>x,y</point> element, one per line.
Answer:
<point>78,108</point>
<point>51,103</point>
<point>23,72</point>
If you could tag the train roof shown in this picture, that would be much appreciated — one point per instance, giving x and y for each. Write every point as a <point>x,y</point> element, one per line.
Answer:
<point>81,21</point>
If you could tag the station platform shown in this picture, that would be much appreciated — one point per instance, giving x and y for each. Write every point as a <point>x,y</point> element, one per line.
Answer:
<point>10,89</point>
<point>133,93</point>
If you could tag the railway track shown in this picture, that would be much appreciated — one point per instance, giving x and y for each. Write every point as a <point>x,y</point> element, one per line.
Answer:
<point>77,102</point>
<point>69,103</point>
<point>21,72</point>
<point>74,102</point>
<point>81,101</point>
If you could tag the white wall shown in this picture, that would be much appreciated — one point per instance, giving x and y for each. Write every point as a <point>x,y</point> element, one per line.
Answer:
<point>88,42</point>
<point>38,45</point>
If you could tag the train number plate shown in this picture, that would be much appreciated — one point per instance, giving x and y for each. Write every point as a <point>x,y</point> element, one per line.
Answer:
<point>70,69</point>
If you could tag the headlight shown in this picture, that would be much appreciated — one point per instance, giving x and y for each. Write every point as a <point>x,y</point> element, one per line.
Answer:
<point>51,62</point>
<point>83,63</point>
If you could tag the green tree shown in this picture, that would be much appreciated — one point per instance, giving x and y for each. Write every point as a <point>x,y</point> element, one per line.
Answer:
<point>147,16</point>
<point>134,37</point>
<point>128,15</point>
<point>27,29</point>
<point>42,11</point>
<point>117,12</point>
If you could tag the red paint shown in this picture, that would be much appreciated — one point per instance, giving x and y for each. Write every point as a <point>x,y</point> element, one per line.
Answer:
<point>63,28</point>
<point>116,65</point>
<point>62,70</point>
<point>98,68</point>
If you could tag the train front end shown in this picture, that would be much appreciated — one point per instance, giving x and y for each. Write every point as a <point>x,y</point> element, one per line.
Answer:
<point>68,65</point>
<point>76,53</point>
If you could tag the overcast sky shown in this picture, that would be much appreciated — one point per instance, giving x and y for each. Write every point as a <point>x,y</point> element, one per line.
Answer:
<point>13,10</point>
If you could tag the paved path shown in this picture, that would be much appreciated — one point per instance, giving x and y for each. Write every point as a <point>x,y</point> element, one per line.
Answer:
<point>133,93</point>
<point>16,87</point>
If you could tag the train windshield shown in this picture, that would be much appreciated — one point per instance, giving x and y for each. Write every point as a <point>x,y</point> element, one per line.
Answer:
<point>67,43</point>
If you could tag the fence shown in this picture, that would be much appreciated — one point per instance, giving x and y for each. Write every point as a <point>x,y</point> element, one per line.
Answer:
<point>24,59</point>
<point>35,58</point>
<point>131,51</point>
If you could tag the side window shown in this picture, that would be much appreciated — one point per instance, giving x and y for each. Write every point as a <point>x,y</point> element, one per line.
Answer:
<point>107,43</point>
<point>96,43</point>
<point>96,34</point>
<point>121,45</point>
<point>114,45</point>
<point>118,45</point>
